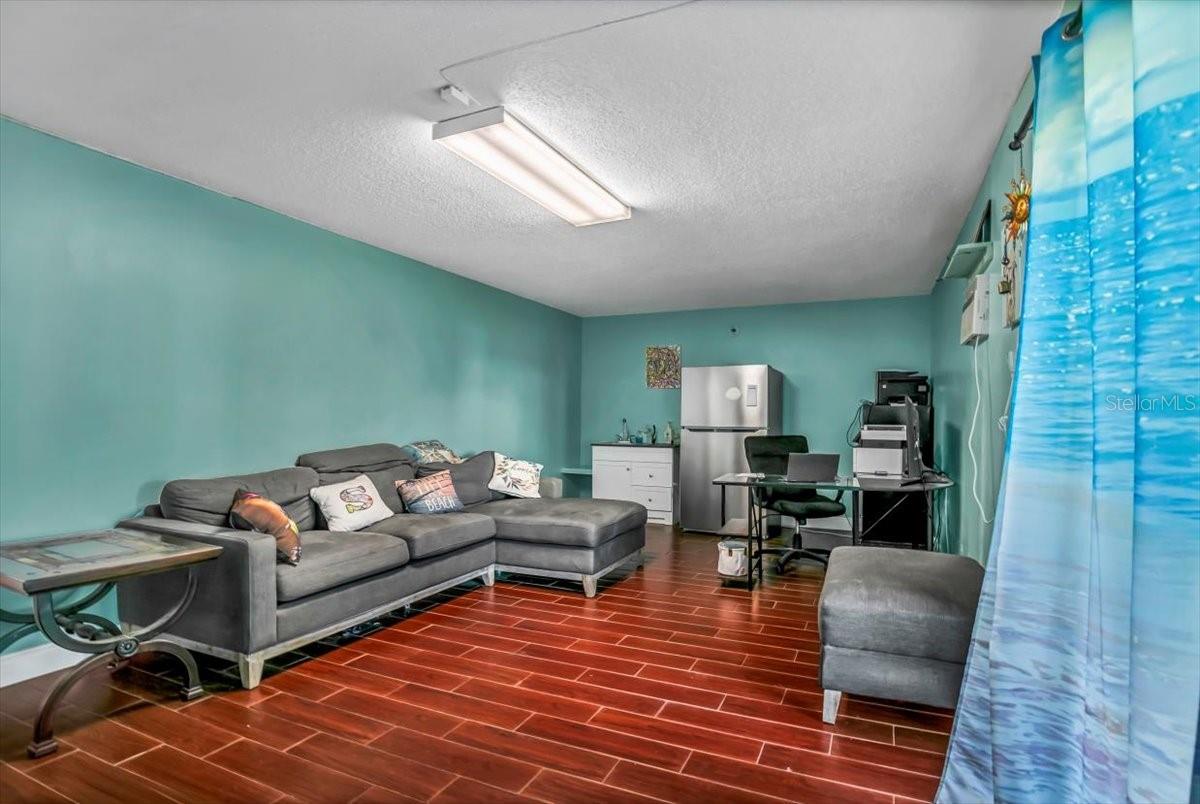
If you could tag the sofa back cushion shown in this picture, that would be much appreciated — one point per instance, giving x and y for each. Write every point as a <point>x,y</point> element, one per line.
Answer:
<point>383,463</point>
<point>208,501</point>
<point>471,477</point>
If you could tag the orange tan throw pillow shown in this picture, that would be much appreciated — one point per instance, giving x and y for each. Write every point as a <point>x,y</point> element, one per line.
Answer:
<point>252,511</point>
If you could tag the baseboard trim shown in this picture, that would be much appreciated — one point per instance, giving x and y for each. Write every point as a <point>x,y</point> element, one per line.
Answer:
<point>32,662</point>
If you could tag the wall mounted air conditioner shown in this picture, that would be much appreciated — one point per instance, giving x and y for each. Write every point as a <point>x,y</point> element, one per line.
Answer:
<point>974,326</point>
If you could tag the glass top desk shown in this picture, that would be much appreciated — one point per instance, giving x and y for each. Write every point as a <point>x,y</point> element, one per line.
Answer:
<point>855,486</point>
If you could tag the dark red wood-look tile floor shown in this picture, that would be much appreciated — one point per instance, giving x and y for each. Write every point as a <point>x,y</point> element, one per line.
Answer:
<point>668,686</point>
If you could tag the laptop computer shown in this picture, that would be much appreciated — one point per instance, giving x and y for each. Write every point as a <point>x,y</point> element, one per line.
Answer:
<point>812,467</point>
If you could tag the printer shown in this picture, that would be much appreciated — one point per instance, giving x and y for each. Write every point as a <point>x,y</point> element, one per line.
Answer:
<point>884,450</point>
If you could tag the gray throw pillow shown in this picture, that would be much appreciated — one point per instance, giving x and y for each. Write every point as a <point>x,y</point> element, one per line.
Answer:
<point>471,477</point>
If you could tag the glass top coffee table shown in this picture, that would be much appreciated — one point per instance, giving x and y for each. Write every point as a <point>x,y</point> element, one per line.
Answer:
<point>38,568</point>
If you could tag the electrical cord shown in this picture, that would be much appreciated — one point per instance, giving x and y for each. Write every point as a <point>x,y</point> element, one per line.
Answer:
<point>856,421</point>
<point>971,435</point>
<point>544,39</point>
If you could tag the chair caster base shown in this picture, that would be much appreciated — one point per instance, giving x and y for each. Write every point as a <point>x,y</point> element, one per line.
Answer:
<point>796,554</point>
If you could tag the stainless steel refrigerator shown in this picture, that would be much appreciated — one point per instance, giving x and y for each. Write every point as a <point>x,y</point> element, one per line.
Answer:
<point>721,406</point>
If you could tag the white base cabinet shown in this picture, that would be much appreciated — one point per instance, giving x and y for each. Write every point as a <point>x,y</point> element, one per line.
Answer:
<point>646,475</point>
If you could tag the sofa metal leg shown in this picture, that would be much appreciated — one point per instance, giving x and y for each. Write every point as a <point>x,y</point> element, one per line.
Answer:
<point>641,557</point>
<point>830,708</point>
<point>489,577</point>
<point>589,585</point>
<point>250,669</point>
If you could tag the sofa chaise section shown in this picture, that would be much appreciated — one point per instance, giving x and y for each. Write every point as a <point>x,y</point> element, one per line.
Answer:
<point>576,539</point>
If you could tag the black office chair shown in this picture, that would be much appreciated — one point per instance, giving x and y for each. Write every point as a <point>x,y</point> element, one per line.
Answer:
<point>769,455</point>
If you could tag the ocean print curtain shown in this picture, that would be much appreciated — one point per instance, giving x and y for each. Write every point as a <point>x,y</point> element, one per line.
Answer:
<point>1083,680</point>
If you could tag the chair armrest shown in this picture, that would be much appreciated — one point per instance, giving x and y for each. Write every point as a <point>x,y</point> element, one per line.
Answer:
<point>235,604</point>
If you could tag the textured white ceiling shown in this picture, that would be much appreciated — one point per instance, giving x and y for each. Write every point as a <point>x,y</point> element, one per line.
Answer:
<point>772,151</point>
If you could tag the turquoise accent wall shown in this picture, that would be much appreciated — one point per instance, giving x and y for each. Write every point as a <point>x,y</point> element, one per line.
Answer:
<point>151,329</point>
<point>827,351</point>
<point>954,377</point>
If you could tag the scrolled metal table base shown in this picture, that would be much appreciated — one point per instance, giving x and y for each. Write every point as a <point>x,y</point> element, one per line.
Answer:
<point>89,633</point>
<point>71,612</point>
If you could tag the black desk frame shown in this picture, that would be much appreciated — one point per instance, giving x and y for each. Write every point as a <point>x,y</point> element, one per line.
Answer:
<point>755,527</point>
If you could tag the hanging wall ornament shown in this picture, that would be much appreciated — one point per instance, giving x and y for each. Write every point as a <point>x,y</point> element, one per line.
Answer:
<point>1016,215</point>
<point>1016,211</point>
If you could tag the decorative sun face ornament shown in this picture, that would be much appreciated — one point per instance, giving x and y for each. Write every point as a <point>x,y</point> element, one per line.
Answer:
<point>1016,215</point>
<point>1016,211</point>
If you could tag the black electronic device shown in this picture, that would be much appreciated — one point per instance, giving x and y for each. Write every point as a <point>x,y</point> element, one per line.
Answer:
<point>891,387</point>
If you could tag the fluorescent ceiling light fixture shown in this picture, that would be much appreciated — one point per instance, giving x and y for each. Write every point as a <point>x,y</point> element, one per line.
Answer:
<point>503,146</point>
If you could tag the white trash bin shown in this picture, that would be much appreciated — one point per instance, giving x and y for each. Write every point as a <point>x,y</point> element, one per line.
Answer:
<point>731,559</point>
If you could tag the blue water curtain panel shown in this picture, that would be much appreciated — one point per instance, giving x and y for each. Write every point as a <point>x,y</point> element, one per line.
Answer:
<point>1083,681</point>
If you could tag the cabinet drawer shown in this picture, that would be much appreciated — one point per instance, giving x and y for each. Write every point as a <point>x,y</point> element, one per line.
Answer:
<point>655,499</point>
<point>639,454</point>
<point>652,474</point>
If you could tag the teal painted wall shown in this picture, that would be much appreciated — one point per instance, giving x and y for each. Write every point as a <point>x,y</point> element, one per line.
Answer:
<point>828,353</point>
<point>151,329</point>
<point>954,376</point>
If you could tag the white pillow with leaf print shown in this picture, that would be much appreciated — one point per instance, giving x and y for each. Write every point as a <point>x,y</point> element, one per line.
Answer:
<point>516,478</point>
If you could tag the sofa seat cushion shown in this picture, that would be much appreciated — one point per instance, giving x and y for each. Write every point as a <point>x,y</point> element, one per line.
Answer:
<point>332,559</point>
<point>564,520</point>
<point>815,508</point>
<point>901,602</point>
<point>430,535</point>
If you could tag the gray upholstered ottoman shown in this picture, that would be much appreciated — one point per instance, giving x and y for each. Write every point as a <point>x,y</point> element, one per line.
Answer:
<point>896,624</point>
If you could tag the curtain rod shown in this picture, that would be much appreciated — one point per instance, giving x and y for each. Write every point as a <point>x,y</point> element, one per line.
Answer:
<point>1072,29</point>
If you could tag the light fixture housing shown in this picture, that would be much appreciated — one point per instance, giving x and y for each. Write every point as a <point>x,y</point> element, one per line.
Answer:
<point>500,144</point>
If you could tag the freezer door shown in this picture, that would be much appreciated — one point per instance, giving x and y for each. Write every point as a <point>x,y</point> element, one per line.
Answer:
<point>704,455</point>
<point>726,396</point>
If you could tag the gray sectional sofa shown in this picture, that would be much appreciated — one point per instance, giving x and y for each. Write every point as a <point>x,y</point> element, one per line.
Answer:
<point>249,608</point>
